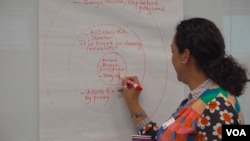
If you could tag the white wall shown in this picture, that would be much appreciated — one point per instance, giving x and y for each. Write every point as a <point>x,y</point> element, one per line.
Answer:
<point>19,57</point>
<point>19,70</point>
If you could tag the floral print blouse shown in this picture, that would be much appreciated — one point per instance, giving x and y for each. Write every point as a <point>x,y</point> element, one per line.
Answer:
<point>198,119</point>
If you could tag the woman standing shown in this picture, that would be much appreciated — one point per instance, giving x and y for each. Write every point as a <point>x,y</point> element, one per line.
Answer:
<point>214,79</point>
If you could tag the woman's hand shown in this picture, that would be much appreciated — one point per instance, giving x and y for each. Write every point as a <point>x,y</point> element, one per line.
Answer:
<point>131,95</point>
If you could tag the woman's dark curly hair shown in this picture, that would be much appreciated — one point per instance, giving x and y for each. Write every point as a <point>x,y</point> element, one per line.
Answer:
<point>206,44</point>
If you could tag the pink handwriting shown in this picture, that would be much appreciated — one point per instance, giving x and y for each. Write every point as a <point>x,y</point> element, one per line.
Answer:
<point>110,69</point>
<point>92,96</point>
<point>147,6</point>
<point>98,39</point>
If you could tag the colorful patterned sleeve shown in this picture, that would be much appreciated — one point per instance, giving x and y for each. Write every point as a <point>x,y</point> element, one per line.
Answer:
<point>147,127</point>
<point>216,113</point>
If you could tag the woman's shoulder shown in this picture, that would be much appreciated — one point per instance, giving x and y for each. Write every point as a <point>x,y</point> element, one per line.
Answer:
<point>215,97</point>
<point>214,93</point>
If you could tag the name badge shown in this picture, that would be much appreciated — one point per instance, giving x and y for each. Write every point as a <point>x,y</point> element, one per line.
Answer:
<point>167,123</point>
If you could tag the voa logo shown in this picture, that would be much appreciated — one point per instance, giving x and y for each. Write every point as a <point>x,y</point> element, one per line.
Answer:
<point>236,132</point>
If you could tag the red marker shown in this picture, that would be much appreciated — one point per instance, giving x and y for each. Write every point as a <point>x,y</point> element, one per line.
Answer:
<point>134,85</point>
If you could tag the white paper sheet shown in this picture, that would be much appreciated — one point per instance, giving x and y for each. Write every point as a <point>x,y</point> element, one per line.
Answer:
<point>85,47</point>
